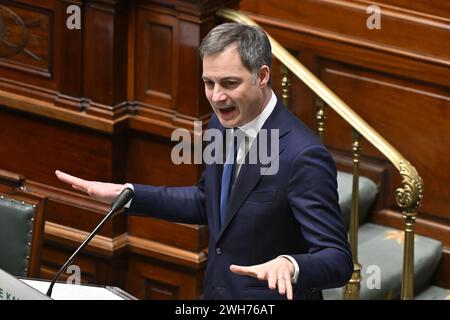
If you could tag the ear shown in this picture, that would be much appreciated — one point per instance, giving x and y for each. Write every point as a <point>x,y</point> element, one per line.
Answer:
<point>264,76</point>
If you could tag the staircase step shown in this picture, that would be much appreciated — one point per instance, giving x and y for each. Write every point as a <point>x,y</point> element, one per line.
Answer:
<point>434,293</point>
<point>367,194</point>
<point>381,253</point>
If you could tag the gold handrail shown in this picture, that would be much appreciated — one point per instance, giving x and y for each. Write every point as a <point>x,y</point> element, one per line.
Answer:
<point>409,196</point>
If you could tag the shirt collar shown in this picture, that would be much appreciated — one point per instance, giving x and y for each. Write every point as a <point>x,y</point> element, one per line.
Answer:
<point>253,127</point>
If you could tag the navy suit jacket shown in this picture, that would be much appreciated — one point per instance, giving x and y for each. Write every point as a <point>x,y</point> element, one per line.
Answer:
<point>293,212</point>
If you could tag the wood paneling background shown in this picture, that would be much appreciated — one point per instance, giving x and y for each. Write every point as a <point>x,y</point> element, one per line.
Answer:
<point>101,103</point>
<point>396,78</point>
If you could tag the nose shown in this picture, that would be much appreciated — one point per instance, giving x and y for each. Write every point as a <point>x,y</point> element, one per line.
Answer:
<point>218,94</point>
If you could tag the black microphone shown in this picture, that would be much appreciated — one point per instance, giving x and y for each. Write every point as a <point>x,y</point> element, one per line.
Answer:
<point>122,199</point>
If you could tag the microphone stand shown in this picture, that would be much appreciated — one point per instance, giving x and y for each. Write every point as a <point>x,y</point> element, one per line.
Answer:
<point>122,199</point>
<point>72,257</point>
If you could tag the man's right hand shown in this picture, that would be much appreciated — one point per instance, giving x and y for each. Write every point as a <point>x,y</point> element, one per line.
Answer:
<point>105,192</point>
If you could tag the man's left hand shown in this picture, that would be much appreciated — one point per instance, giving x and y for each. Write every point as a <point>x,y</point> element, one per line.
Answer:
<point>278,273</point>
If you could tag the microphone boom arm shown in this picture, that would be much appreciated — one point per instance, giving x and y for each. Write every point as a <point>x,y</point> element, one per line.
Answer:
<point>124,197</point>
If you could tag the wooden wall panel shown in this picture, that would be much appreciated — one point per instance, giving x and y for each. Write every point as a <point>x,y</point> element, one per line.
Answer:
<point>189,76</point>
<point>437,8</point>
<point>150,162</point>
<point>167,68</point>
<point>70,56</point>
<point>56,258</point>
<point>157,58</point>
<point>396,78</point>
<point>29,38</point>
<point>37,146</point>
<point>29,33</point>
<point>105,58</point>
<point>161,282</point>
<point>388,103</point>
<point>402,30</point>
<point>101,104</point>
<point>189,237</point>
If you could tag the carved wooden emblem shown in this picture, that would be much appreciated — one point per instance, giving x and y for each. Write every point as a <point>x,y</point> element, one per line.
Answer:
<point>25,38</point>
<point>13,33</point>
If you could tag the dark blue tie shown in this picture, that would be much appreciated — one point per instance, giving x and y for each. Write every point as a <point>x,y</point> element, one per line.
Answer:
<point>227,175</point>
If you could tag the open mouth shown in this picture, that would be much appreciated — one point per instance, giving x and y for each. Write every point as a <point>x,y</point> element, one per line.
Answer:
<point>227,111</point>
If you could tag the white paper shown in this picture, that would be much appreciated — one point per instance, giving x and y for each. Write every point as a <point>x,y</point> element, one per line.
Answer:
<point>64,291</point>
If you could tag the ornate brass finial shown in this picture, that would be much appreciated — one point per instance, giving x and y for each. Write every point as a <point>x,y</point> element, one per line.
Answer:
<point>409,197</point>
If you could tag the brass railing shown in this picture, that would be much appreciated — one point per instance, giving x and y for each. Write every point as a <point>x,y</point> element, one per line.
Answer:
<point>408,196</point>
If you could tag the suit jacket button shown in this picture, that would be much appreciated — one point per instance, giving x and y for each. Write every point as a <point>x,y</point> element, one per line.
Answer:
<point>219,251</point>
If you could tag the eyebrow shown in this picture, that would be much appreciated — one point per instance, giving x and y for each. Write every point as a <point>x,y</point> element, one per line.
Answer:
<point>234,78</point>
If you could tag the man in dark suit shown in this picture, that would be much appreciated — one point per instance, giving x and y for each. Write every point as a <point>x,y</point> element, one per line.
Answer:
<point>273,231</point>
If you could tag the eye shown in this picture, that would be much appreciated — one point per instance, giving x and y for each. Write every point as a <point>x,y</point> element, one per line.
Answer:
<point>230,84</point>
<point>209,84</point>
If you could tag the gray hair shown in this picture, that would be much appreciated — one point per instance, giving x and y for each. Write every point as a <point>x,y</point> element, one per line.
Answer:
<point>251,42</point>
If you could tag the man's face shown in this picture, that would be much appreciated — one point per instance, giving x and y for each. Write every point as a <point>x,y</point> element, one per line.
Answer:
<point>234,95</point>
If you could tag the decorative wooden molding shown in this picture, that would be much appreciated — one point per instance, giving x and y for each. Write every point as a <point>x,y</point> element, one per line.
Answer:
<point>70,198</point>
<point>27,32</point>
<point>202,8</point>
<point>11,177</point>
<point>151,247</point>
<point>47,109</point>
<point>109,246</point>
<point>435,22</point>
<point>150,119</point>
<point>101,243</point>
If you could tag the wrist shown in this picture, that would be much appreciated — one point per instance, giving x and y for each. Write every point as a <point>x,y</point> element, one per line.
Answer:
<point>290,265</point>
<point>295,270</point>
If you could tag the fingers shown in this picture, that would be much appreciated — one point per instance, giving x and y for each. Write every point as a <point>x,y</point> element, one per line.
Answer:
<point>278,275</point>
<point>281,282</point>
<point>77,188</point>
<point>77,183</point>
<point>281,278</point>
<point>104,192</point>
<point>288,284</point>
<point>272,280</point>
<point>243,271</point>
<point>252,271</point>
